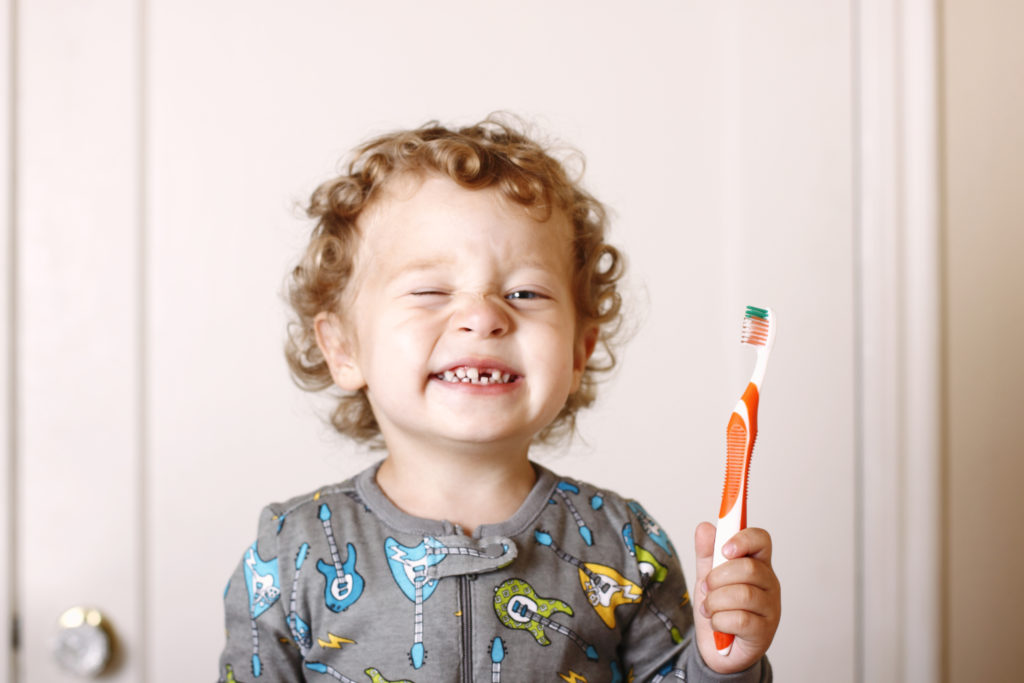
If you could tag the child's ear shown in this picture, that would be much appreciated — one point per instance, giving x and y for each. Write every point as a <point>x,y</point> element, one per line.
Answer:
<point>586,342</point>
<point>338,351</point>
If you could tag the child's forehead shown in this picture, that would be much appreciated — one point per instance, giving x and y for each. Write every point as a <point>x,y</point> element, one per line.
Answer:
<point>429,223</point>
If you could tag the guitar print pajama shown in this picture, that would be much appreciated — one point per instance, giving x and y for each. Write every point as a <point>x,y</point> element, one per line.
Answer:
<point>579,585</point>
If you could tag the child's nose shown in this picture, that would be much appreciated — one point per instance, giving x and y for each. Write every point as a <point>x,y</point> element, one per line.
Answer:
<point>483,315</point>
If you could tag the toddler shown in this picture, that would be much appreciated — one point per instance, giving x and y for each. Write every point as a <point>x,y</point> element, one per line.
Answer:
<point>455,289</point>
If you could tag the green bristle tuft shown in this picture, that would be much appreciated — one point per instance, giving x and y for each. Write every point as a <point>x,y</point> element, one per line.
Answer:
<point>755,312</point>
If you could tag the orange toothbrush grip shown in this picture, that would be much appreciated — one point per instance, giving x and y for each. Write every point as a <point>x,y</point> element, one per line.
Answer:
<point>736,446</point>
<point>751,397</point>
<point>738,451</point>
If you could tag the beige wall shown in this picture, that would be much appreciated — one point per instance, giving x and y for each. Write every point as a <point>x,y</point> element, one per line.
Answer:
<point>984,214</point>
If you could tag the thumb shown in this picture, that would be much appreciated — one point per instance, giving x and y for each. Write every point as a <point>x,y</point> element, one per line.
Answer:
<point>704,545</point>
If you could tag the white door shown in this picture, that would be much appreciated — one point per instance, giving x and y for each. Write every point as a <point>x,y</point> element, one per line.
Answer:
<point>162,150</point>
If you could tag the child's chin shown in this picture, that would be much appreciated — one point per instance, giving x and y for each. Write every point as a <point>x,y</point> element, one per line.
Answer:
<point>482,437</point>
<point>481,433</point>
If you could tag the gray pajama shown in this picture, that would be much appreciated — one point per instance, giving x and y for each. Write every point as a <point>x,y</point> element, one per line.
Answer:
<point>579,585</point>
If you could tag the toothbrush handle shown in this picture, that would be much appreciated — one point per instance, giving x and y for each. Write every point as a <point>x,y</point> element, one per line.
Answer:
<point>732,516</point>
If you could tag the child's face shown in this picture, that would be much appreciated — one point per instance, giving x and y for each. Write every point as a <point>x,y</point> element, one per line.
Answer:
<point>451,282</point>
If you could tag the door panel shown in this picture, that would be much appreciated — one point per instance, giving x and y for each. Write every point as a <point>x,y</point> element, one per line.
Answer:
<point>78,524</point>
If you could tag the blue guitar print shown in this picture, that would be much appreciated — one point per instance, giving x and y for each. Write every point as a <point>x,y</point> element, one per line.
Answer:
<point>409,569</point>
<point>301,634</point>
<point>563,486</point>
<point>263,586</point>
<point>343,584</point>
<point>497,657</point>
<point>652,528</point>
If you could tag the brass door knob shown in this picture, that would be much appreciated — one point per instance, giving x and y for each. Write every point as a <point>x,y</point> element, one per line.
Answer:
<point>84,642</point>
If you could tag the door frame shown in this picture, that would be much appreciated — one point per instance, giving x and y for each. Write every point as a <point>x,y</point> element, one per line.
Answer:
<point>8,439</point>
<point>897,200</point>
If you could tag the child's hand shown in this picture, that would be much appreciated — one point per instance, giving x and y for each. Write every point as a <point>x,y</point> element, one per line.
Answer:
<point>741,596</point>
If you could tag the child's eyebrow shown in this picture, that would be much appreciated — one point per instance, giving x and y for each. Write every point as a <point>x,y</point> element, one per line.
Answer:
<point>413,269</point>
<point>432,263</point>
<point>423,264</point>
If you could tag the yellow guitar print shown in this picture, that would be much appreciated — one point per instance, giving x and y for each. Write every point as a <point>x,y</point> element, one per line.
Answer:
<point>604,587</point>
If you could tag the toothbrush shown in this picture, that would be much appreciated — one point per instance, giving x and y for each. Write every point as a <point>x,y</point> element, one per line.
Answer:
<point>759,327</point>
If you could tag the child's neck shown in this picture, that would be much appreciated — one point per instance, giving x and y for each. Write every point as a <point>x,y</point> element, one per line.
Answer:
<point>467,491</point>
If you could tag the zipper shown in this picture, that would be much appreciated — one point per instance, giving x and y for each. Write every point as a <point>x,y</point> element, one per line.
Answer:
<point>466,600</point>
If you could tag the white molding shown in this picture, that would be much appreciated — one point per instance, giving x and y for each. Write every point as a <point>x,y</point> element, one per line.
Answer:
<point>922,569</point>
<point>899,310</point>
<point>7,471</point>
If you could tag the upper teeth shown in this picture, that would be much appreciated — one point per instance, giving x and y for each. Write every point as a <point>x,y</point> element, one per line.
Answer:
<point>475,375</point>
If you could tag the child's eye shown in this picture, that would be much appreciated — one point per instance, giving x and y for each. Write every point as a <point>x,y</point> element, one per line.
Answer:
<point>523,294</point>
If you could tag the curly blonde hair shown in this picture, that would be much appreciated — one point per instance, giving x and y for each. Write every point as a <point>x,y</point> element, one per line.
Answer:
<point>492,153</point>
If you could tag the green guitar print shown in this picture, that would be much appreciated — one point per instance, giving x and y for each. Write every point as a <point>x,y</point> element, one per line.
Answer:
<point>518,606</point>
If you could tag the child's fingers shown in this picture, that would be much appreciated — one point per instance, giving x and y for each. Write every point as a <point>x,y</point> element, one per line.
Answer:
<point>745,570</point>
<point>739,597</point>
<point>745,625</point>
<point>752,542</point>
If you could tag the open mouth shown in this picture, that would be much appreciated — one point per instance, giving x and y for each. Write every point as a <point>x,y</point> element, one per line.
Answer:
<point>469,375</point>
